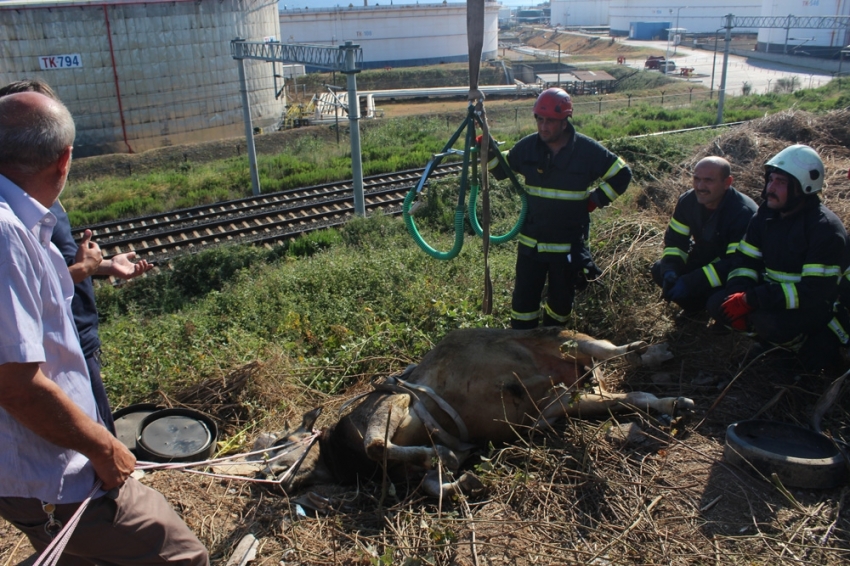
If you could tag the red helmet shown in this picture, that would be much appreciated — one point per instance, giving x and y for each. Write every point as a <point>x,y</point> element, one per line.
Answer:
<point>554,103</point>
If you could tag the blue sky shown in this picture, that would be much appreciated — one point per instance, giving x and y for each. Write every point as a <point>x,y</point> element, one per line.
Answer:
<point>334,3</point>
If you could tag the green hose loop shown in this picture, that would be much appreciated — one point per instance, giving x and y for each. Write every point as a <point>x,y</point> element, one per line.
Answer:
<point>417,237</point>
<point>470,151</point>
<point>476,226</point>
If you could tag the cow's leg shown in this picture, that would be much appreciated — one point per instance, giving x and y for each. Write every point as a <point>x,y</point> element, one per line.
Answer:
<point>605,350</point>
<point>596,405</point>
<point>392,420</point>
<point>467,484</point>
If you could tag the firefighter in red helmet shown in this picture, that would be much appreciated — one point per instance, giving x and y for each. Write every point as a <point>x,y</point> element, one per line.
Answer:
<point>567,175</point>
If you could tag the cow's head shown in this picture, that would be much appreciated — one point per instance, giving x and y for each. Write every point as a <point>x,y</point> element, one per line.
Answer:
<point>295,457</point>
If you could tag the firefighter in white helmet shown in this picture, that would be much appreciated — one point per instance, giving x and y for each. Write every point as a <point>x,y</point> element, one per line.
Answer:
<point>784,285</point>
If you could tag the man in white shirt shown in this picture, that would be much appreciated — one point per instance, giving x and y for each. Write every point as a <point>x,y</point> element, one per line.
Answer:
<point>53,445</point>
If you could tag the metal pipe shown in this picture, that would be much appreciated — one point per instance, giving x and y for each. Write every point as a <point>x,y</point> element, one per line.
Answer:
<point>115,78</point>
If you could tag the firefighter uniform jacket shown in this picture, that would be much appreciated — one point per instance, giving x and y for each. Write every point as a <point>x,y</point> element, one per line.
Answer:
<point>793,262</point>
<point>559,187</point>
<point>699,243</point>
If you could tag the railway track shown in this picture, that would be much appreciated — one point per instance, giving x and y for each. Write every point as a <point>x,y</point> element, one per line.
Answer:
<point>265,220</point>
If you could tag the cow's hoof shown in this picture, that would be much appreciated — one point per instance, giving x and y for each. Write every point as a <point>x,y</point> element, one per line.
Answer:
<point>656,355</point>
<point>634,351</point>
<point>470,484</point>
<point>448,458</point>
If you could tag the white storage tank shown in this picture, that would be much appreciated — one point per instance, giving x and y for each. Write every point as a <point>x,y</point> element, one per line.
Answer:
<point>140,75</point>
<point>393,36</point>
<point>571,13</point>
<point>703,18</point>
<point>814,42</point>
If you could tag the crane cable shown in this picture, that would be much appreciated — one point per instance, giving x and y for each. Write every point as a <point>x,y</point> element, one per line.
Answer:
<point>475,44</point>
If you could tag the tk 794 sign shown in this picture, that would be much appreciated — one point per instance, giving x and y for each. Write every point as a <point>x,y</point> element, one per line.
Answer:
<point>50,62</point>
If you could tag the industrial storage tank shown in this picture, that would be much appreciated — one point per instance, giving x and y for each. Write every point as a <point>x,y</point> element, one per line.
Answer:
<point>571,13</point>
<point>140,75</point>
<point>814,42</point>
<point>393,36</point>
<point>704,18</point>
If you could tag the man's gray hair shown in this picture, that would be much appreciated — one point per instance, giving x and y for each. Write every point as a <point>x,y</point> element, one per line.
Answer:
<point>32,138</point>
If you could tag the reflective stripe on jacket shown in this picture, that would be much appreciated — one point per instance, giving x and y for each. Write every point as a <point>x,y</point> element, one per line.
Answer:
<point>792,262</point>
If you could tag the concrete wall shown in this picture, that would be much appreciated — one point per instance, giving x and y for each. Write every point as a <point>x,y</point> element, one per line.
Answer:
<point>397,36</point>
<point>141,75</point>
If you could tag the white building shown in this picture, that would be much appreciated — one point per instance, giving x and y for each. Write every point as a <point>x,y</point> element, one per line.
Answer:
<point>698,18</point>
<point>571,13</point>
<point>393,36</point>
<point>823,42</point>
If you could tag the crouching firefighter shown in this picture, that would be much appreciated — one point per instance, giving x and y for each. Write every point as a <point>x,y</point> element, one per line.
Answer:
<point>784,285</point>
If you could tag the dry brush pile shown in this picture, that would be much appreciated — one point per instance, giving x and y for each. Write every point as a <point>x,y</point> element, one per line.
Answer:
<point>636,490</point>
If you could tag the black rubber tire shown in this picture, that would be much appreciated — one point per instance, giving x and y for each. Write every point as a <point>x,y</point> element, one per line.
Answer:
<point>799,457</point>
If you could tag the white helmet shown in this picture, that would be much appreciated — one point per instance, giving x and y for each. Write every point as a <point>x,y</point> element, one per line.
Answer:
<point>802,163</point>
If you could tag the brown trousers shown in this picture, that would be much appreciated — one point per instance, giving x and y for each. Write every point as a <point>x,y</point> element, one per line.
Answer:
<point>138,528</point>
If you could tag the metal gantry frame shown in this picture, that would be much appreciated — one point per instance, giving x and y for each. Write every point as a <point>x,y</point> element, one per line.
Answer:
<point>776,22</point>
<point>343,58</point>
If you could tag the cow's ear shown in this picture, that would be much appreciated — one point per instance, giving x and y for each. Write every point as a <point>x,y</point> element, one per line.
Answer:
<point>309,418</point>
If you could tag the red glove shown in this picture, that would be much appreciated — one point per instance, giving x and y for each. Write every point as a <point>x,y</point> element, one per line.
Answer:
<point>491,153</point>
<point>591,206</point>
<point>736,309</point>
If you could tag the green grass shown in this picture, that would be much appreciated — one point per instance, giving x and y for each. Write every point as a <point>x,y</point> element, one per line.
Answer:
<point>370,302</point>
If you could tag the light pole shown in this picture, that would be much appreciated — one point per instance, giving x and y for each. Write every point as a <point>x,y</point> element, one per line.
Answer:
<point>559,64</point>
<point>844,51</point>
<point>713,64</point>
<point>721,96</point>
<point>675,45</point>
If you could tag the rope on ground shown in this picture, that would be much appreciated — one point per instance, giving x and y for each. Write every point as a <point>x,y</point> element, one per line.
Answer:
<point>54,550</point>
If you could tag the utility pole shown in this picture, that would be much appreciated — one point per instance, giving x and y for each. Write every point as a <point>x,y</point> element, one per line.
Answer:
<point>676,45</point>
<point>721,98</point>
<point>354,119</point>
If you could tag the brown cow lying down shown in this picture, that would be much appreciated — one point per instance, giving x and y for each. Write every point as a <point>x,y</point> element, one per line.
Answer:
<point>476,386</point>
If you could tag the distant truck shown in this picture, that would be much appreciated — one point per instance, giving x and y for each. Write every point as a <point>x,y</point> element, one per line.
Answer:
<point>659,63</point>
